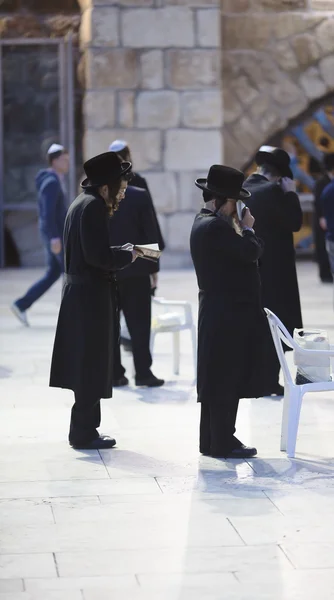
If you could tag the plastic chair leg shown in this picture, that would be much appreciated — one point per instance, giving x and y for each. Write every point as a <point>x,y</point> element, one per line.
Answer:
<point>294,415</point>
<point>176,352</point>
<point>285,418</point>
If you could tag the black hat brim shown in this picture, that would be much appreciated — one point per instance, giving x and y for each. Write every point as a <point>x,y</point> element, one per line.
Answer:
<point>125,168</point>
<point>203,185</point>
<point>263,157</point>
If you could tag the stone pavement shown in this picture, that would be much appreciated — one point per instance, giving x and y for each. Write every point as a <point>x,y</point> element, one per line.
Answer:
<point>153,519</point>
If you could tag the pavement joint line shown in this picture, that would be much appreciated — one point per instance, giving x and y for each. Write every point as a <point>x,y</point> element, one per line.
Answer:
<point>273,503</point>
<point>236,531</point>
<point>55,563</point>
<point>287,557</point>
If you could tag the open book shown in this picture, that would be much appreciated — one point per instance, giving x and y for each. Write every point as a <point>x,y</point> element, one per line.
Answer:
<point>148,251</point>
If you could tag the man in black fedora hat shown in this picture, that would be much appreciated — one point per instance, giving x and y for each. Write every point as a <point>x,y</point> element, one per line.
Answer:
<point>277,212</point>
<point>83,349</point>
<point>225,253</point>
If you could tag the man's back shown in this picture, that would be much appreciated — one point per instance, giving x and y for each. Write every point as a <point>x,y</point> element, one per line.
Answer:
<point>327,202</point>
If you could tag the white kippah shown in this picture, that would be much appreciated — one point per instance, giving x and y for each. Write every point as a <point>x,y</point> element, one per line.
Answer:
<point>55,148</point>
<point>117,145</point>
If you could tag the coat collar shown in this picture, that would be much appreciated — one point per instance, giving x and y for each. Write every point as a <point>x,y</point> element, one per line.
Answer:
<point>256,178</point>
<point>208,213</point>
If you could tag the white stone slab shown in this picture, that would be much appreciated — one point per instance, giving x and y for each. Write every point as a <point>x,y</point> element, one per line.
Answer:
<point>26,565</point>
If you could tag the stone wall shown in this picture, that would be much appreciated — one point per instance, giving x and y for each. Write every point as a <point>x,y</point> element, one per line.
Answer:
<point>277,59</point>
<point>153,77</point>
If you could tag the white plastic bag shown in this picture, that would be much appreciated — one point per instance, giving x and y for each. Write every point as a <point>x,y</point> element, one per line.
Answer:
<point>313,369</point>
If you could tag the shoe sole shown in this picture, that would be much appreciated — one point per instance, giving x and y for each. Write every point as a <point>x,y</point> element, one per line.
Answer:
<point>16,311</point>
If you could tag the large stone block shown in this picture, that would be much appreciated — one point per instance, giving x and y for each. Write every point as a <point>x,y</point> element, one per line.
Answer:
<point>327,70</point>
<point>285,92</point>
<point>322,5</point>
<point>306,48</point>
<point>193,68</point>
<point>164,191</point>
<point>99,27</point>
<point>126,109</point>
<point>231,107</point>
<point>247,31</point>
<point>179,228</point>
<point>208,28</point>
<point>190,150</point>
<point>158,28</point>
<point>287,24</point>
<point>158,109</point>
<point>202,109</point>
<point>190,197</point>
<point>192,3</point>
<point>325,35</point>
<point>99,109</point>
<point>124,3</point>
<point>312,84</point>
<point>279,5</point>
<point>243,90</point>
<point>145,145</point>
<point>235,6</point>
<point>152,70</point>
<point>114,68</point>
<point>285,56</point>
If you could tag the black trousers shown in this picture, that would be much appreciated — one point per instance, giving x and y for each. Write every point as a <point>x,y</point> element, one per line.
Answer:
<point>217,426</point>
<point>85,419</point>
<point>135,302</point>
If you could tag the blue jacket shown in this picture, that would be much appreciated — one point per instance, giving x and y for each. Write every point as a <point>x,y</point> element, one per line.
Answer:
<point>327,202</point>
<point>51,203</point>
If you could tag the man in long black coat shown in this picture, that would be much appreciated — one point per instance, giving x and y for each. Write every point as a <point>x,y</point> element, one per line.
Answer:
<point>277,212</point>
<point>135,221</point>
<point>231,321</point>
<point>83,349</point>
<point>318,221</point>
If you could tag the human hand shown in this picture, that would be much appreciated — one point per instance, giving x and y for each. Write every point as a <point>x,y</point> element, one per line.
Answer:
<point>248,219</point>
<point>128,247</point>
<point>323,223</point>
<point>55,245</point>
<point>288,185</point>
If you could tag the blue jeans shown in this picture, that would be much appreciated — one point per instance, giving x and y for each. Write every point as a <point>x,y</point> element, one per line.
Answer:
<point>55,268</point>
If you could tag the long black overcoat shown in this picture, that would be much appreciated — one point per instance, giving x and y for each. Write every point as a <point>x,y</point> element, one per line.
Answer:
<point>231,322</point>
<point>83,348</point>
<point>277,216</point>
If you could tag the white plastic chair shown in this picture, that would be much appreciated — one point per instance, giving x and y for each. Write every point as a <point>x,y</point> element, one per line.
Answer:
<point>293,394</point>
<point>178,322</point>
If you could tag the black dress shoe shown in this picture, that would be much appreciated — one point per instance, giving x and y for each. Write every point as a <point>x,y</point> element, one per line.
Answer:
<point>242,452</point>
<point>122,382</point>
<point>151,381</point>
<point>101,443</point>
<point>327,279</point>
<point>278,390</point>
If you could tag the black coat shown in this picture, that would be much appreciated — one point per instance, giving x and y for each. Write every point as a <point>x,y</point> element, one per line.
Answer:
<point>139,182</point>
<point>277,215</point>
<point>231,321</point>
<point>134,222</point>
<point>83,348</point>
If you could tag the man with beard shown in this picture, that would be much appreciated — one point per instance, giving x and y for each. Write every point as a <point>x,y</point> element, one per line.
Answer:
<point>277,212</point>
<point>225,253</point>
<point>83,350</point>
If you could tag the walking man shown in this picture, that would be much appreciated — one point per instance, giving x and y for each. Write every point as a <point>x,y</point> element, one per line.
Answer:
<point>319,222</point>
<point>327,211</point>
<point>277,212</point>
<point>52,209</point>
<point>82,358</point>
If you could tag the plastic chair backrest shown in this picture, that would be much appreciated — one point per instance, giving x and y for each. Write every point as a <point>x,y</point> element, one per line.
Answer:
<point>281,336</point>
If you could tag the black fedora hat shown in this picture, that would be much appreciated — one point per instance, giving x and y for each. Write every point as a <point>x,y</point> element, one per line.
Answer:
<point>103,169</point>
<point>224,181</point>
<point>276,157</point>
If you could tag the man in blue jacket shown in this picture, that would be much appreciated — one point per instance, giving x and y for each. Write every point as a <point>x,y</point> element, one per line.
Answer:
<point>52,207</point>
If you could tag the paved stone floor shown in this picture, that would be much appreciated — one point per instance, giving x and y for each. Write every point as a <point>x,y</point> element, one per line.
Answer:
<point>152,519</point>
